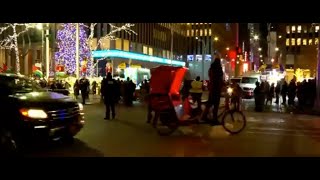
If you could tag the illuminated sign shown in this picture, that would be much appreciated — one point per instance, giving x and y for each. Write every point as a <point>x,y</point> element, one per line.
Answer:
<point>136,56</point>
<point>199,57</point>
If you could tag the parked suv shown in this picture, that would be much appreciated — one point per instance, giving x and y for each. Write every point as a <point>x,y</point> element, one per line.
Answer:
<point>29,113</point>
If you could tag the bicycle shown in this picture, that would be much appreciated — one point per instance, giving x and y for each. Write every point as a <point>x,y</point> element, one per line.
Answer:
<point>237,119</point>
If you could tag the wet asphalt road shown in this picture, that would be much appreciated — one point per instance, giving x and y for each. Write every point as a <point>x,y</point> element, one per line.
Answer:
<point>266,134</point>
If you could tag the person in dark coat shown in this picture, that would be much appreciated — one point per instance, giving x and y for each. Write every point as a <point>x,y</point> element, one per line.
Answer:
<point>76,89</point>
<point>284,91</point>
<point>84,86</point>
<point>215,86</point>
<point>109,91</point>
<point>292,91</point>
<point>277,91</point>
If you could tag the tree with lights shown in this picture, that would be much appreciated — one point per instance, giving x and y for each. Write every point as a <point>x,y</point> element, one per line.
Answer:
<point>66,41</point>
<point>126,27</point>
<point>11,40</point>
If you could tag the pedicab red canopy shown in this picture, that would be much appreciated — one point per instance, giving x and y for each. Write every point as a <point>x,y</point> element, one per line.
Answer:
<point>166,80</point>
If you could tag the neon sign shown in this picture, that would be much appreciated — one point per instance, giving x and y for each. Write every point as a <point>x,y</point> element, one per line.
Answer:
<point>136,56</point>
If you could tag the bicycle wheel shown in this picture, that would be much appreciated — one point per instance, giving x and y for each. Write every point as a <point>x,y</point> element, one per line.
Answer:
<point>234,121</point>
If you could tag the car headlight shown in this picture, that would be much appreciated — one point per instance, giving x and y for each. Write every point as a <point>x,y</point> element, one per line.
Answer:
<point>34,113</point>
<point>80,106</point>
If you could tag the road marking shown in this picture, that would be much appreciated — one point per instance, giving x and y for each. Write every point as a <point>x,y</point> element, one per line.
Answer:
<point>280,129</point>
<point>279,134</point>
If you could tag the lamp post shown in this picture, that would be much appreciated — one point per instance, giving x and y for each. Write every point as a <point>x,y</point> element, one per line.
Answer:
<point>77,51</point>
<point>203,56</point>
<point>40,27</point>
<point>47,52</point>
<point>316,106</point>
<point>45,56</point>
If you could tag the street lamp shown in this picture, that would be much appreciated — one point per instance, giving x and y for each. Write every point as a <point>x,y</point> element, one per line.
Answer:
<point>261,56</point>
<point>255,37</point>
<point>272,60</point>
<point>203,55</point>
<point>259,49</point>
<point>277,49</point>
<point>40,27</point>
<point>227,48</point>
<point>216,38</point>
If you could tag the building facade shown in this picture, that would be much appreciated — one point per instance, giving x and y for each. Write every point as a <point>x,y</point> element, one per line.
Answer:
<point>298,46</point>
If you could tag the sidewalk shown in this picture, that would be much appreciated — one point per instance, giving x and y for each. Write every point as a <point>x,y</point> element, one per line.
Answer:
<point>93,99</point>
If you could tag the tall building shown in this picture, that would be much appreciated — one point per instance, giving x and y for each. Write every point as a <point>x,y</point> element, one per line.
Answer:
<point>160,40</point>
<point>298,46</point>
<point>255,36</point>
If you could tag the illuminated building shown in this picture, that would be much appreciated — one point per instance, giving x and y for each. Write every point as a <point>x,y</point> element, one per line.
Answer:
<point>298,45</point>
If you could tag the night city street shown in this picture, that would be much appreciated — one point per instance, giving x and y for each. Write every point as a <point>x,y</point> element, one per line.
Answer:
<point>56,78</point>
<point>267,134</point>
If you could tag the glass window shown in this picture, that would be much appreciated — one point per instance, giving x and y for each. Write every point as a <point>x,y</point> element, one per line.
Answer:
<point>317,28</point>
<point>205,32</point>
<point>150,51</point>
<point>299,29</point>
<point>249,80</point>
<point>201,32</point>
<point>293,41</point>
<point>145,50</point>
<point>164,54</point>
<point>192,33</point>
<point>188,32</point>
<point>304,42</point>
<point>316,41</point>
<point>293,29</point>
<point>119,44</point>
<point>126,45</point>
<point>298,41</point>
<point>209,32</point>
<point>305,29</point>
<point>288,29</point>
<point>310,41</point>
<point>287,42</point>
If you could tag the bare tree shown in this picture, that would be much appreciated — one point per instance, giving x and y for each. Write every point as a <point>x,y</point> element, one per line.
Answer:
<point>11,41</point>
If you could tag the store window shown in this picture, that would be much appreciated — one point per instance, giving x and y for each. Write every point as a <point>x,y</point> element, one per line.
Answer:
<point>188,33</point>
<point>310,41</point>
<point>317,28</point>
<point>293,29</point>
<point>316,41</point>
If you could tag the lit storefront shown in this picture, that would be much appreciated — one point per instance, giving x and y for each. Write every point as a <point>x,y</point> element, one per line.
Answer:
<point>129,64</point>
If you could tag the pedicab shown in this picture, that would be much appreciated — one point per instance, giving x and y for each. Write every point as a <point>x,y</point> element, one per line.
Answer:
<point>170,112</point>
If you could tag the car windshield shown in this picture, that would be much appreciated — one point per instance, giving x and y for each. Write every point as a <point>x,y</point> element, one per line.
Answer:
<point>249,80</point>
<point>19,84</point>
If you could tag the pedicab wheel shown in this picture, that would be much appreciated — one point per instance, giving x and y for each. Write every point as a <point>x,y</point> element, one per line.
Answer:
<point>168,124</point>
<point>234,121</point>
<point>168,129</point>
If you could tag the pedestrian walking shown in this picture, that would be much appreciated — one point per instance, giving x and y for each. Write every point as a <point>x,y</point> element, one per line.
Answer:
<point>109,91</point>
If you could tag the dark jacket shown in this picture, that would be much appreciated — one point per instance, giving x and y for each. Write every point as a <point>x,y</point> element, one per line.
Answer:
<point>109,90</point>
<point>216,76</point>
